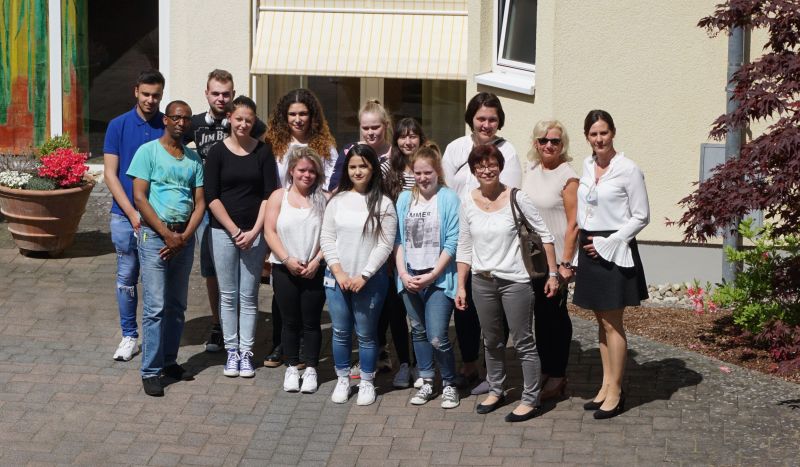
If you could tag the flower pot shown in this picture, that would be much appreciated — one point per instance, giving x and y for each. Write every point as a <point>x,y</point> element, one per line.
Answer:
<point>44,220</point>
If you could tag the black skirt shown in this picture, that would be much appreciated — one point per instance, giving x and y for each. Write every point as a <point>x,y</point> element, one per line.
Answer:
<point>601,285</point>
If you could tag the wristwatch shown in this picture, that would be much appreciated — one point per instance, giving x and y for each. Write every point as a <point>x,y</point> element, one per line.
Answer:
<point>566,264</point>
<point>552,274</point>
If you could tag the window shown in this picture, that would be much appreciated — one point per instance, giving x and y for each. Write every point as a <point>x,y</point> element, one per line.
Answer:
<point>432,102</point>
<point>516,34</point>
<point>515,47</point>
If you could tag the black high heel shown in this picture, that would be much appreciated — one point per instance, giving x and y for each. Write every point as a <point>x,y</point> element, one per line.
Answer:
<point>592,405</point>
<point>601,414</point>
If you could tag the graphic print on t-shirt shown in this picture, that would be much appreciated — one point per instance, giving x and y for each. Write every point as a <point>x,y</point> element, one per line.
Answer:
<point>422,235</point>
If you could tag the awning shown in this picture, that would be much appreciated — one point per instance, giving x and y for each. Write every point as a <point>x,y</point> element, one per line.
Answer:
<point>352,42</point>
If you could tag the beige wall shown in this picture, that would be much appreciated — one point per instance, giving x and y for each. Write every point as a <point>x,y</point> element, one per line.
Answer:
<point>646,62</point>
<point>203,35</point>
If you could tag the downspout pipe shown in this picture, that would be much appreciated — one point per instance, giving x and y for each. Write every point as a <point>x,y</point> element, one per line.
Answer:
<point>733,141</point>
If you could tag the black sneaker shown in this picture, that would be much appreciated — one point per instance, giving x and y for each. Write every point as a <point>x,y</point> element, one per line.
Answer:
<point>152,386</point>
<point>176,372</point>
<point>215,342</point>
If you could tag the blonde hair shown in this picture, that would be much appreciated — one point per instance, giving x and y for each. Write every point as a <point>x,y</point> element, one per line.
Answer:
<point>373,106</point>
<point>540,130</point>
<point>298,153</point>
<point>429,152</point>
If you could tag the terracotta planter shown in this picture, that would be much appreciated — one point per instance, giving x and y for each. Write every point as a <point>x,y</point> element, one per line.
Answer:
<point>44,220</point>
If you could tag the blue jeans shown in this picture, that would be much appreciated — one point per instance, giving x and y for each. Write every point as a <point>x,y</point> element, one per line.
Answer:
<point>165,285</point>
<point>203,236</point>
<point>429,312</point>
<point>124,240</point>
<point>361,311</point>
<point>239,275</point>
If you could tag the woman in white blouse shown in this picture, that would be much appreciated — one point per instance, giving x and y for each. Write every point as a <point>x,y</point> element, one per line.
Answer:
<point>358,232</point>
<point>552,185</point>
<point>292,228</point>
<point>484,116</point>
<point>488,244</point>
<point>612,209</point>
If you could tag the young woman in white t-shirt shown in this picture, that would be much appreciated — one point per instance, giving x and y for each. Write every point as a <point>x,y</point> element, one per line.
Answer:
<point>292,228</point>
<point>357,237</point>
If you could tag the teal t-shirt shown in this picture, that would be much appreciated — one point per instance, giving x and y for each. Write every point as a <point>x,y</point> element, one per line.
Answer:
<point>171,180</point>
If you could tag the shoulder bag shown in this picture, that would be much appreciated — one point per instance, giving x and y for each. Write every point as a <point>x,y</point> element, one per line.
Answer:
<point>530,243</point>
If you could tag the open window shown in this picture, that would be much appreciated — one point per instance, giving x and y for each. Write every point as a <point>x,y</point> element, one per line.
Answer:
<point>515,47</point>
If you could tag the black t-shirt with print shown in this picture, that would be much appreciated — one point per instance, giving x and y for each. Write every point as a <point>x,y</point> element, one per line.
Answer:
<point>207,135</point>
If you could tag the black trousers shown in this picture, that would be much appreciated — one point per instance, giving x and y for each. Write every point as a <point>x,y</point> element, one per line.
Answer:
<point>553,329</point>
<point>393,315</point>
<point>300,301</point>
<point>468,328</point>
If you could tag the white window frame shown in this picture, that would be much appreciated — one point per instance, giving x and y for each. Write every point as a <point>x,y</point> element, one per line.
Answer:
<point>507,74</point>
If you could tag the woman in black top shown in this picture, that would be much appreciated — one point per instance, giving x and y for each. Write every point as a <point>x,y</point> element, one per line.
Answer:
<point>240,175</point>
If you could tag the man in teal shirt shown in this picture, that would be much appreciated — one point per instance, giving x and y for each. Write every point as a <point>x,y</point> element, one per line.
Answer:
<point>168,191</point>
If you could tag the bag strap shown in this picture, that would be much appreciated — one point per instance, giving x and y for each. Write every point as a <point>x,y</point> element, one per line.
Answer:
<point>515,208</point>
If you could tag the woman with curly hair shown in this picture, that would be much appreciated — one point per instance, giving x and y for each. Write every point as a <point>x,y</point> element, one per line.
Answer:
<point>297,121</point>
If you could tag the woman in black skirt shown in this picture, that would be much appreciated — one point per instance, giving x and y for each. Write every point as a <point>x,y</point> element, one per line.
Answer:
<point>612,209</point>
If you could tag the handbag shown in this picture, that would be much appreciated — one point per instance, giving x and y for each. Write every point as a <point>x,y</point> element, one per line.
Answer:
<point>530,243</point>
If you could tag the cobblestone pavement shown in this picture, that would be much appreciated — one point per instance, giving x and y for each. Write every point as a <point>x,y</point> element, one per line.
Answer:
<point>63,400</point>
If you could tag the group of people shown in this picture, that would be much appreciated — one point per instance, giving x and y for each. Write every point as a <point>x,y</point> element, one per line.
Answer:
<point>389,233</point>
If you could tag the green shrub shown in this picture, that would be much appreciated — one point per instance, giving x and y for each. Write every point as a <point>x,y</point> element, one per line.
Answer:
<point>765,289</point>
<point>40,183</point>
<point>55,142</point>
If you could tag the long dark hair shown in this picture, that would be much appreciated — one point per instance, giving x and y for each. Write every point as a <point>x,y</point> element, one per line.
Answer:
<point>374,192</point>
<point>394,181</point>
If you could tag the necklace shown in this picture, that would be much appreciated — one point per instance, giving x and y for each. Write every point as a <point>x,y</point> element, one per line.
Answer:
<point>487,202</point>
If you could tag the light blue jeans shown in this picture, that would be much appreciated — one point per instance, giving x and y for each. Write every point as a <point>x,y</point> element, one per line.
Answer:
<point>359,311</point>
<point>165,285</point>
<point>429,312</point>
<point>238,275</point>
<point>124,240</point>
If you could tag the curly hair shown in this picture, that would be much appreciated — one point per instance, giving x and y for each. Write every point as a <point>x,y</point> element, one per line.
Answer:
<point>278,134</point>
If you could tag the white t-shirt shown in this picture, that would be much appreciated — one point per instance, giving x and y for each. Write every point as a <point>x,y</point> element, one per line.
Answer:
<point>422,234</point>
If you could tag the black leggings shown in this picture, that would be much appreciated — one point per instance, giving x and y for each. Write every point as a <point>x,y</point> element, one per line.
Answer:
<point>553,329</point>
<point>300,301</point>
<point>468,328</point>
<point>394,314</point>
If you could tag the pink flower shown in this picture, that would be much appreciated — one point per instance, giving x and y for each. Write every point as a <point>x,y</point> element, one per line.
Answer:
<point>65,166</point>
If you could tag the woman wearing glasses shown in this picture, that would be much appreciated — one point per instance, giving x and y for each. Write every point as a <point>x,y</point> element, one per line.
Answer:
<point>484,116</point>
<point>488,244</point>
<point>612,209</point>
<point>552,186</point>
<point>240,176</point>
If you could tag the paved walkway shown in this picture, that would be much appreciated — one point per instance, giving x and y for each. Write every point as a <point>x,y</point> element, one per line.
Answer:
<point>63,400</point>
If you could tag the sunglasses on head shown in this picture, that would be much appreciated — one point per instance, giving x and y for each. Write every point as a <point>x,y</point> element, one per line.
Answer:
<point>544,141</point>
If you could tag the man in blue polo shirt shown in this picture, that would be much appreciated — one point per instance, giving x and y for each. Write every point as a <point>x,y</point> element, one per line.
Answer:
<point>124,135</point>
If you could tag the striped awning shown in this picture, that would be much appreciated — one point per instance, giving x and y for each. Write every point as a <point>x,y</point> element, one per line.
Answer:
<point>417,44</point>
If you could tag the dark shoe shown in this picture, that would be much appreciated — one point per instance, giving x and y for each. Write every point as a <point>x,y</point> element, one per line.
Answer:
<point>176,372</point>
<point>556,392</point>
<point>534,412</point>
<point>592,405</point>
<point>462,380</point>
<point>482,388</point>
<point>603,414</point>
<point>484,409</point>
<point>152,386</point>
<point>275,358</point>
<point>215,343</point>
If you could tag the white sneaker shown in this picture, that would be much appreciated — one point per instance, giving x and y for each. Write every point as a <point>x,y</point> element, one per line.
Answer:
<point>342,390</point>
<point>291,379</point>
<point>418,382</point>
<point>424,394</point>
<point>450,398</point>
<point>402,379</point>
<point>366,393</point>
<point>127,348</point>
<point>309,381</point>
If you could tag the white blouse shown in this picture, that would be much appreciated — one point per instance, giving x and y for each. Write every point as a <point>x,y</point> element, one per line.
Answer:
<point>617,201</point>
<point>342,239</point>
<point>488,241</point>
<point>456,170</point>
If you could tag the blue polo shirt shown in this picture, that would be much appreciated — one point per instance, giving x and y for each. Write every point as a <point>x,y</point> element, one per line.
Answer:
<point>124,135</point>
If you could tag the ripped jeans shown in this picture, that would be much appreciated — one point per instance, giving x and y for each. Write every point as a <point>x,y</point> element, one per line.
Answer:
<point>124,241</point>
<point>361,311</point>
<point>429,313</point>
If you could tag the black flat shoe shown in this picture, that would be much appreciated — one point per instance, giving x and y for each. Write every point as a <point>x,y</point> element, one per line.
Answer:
<point>484,409</point>
<point>534,412</point>
<point>601,414</point>
<point>176,372</point>
<point>592,405</point>
<point>152,386</point>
